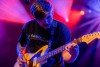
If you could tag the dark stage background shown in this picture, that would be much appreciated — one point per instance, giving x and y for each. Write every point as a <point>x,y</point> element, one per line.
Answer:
<point>81,16</point>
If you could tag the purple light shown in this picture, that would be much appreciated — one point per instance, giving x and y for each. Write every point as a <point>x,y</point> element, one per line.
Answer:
<point>2,32</point>
<point>13,11</point>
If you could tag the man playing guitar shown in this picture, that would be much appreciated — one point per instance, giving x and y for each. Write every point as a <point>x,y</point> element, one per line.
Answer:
<point>42,35</point>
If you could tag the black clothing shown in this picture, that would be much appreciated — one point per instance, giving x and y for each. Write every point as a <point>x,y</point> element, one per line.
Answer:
<point>36,37</point>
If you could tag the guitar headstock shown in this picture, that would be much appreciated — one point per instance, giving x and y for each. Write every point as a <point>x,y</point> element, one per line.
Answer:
<point>90,37</point>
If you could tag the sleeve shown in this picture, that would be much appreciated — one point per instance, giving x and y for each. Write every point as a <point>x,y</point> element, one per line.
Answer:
<point>23,38</point>
<point>65,35</point>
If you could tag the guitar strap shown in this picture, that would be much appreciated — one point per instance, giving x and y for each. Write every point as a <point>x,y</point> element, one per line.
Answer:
<point>54,25</point>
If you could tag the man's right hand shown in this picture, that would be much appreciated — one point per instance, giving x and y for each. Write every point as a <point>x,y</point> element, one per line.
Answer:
<point>21,51</point>
<point>21,61</point>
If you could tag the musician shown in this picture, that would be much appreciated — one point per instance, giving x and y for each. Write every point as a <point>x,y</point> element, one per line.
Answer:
<point>44,30</point>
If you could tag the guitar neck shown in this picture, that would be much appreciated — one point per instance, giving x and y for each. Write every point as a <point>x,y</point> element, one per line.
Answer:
<point>56,51</point>
<point>85,38</point>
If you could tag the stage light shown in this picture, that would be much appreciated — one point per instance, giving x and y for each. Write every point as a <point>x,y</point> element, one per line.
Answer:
<point>90,11</point>
<point>82,12</point>
<point>67,20</point>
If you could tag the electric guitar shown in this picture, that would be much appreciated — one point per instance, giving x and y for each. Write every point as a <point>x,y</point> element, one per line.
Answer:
<point>38,58</point>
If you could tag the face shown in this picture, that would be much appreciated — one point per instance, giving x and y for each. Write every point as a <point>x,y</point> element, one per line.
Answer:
<point>47,21</point>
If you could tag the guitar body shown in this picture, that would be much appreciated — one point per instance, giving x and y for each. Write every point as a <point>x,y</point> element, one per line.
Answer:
<point>31,58</point>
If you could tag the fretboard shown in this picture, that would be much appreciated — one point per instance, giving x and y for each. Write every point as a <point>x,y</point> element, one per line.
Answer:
<point>51,53</point>
<point>56,51</point>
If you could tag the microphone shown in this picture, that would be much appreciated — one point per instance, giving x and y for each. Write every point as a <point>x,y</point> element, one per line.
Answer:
<point>27,2</point>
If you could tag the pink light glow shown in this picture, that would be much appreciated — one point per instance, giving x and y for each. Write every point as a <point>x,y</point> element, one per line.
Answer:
<point>74,18</point>
<point>62,7</point>
<point>13,11</point>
